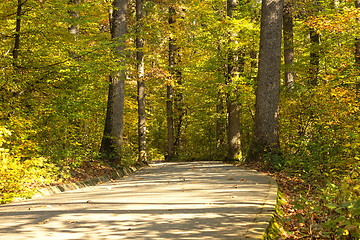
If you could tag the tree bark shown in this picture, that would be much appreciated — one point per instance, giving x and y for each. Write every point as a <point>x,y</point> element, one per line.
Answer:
<point>314,62</point>
<point>266,129</point>
<point>314,58</point>
<point>140,83</point>
<point>220,124</point>
<point>173,101</point>
<point>170,122</point>
<point>234,66</point>
<point>74,28</point>
<point>15,52</point>
<point>114,123</point>
<point>234,136</point>
<point>288,35</point>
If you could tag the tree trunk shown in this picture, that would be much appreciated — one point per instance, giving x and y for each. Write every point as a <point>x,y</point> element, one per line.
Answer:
<point>266,129</point>
<point>74,28</point>
<point>234,66</point>
<point>170,122</point>
<point>141,84</point>
<point>314,62</point>
<point>15,52</point>
<point>174,101</point>
<point>314,58</point>
<point>114,123</point>
<point>234,140</point>
<point>288,35</point>
<point>219,128</point>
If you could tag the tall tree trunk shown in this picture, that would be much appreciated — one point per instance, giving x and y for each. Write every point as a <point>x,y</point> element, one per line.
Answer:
<point>219,127</point>
<point>266,129</point>
<point>288,35</point>
<point>314,62</point>
<point>114,123</point>
<point>140,83</point>
<point>170,122</point>
<point>174,101</point>
<point>15,51</point>
<point>314,57</point>
<point>233,107</point>
<point>74,28</point>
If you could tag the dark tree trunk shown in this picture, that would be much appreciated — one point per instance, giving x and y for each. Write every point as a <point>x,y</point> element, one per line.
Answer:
<point>266,129</point>
<point>15,52</point>
<point>170,92</point>
<point>170,122</point>
<point>288,35</point>
<point>114,123</point>
<point>141,83</point>
<point>314,58</point>
<point>234,66</point>
<point>314,62</point>
<point>74,28</point>
<point>220,124</point>
<point>174,101</point>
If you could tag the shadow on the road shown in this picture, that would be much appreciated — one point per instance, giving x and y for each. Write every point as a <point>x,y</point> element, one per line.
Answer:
<point>200,202</point>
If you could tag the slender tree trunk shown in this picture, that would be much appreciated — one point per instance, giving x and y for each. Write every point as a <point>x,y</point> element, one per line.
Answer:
<point>314,58</point>
<point>141,83</point>
<point>114,123</point>
<point>314,62</point>
<point>170,122</point>
<point>234,65</point>
<point>220,129</point>
<point>288,35</point>
<point>15,52</point>
<point>74,28</point>
<point>266,129</point>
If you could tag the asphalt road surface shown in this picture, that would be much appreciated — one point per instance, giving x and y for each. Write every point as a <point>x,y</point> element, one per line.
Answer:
<point>192,200</point>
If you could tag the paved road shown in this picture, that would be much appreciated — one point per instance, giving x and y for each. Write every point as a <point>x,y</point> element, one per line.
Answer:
<point>197,200</point>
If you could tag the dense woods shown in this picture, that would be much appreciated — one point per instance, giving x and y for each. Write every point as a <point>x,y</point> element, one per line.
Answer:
<point>88,85</point>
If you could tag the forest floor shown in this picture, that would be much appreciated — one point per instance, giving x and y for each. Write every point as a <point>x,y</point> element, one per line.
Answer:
<point>192,200</point>
<point>288,225</point>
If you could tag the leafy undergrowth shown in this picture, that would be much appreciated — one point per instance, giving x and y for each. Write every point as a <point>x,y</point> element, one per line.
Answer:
<point>21,179</point>
<point>21,175</point>
<point>87,170</point>
<point>310,209</point>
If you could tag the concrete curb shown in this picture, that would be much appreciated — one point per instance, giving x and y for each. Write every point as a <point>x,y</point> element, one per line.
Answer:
<point>267,211</point>
<point>52,190</point>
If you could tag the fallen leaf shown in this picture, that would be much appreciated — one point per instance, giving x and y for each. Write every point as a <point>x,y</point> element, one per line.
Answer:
<point>43,222</point>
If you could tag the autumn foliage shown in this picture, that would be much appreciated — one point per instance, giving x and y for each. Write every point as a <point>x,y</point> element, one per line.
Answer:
<point>53,97</point>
